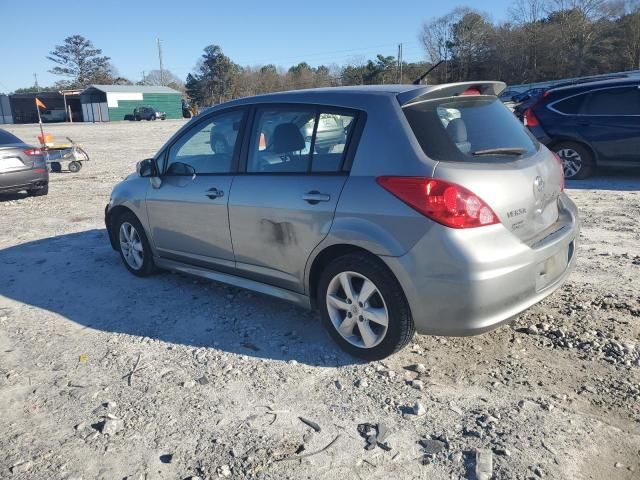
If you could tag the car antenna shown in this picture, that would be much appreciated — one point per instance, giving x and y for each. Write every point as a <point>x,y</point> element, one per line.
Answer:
<point>418,81</point>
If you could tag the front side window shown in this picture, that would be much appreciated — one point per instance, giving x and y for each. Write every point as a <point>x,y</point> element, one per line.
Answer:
<point>208,148</point>
<point>299,140</point>
<point>614,101</point>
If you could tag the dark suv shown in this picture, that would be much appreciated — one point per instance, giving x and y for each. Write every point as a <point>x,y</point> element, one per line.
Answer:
<point>590,125</point>
<point>148,113</point>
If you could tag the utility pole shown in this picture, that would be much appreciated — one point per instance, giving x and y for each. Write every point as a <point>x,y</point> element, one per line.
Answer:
<point>35,84</point>
<point>160,58</point>
<point>144,77</point>
<point>400,59</point>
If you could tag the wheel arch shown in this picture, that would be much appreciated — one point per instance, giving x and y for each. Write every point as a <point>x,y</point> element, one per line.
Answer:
<point>328,254</point>
<point>110,217</point>
<point>582,143</point>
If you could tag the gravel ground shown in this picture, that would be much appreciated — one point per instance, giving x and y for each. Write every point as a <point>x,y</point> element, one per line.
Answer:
<point>107,376</point>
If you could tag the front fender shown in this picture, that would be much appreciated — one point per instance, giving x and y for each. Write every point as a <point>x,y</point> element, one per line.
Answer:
<point>130,195</point>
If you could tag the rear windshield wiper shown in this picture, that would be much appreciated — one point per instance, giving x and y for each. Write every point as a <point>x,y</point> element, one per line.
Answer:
<point>500,151</point>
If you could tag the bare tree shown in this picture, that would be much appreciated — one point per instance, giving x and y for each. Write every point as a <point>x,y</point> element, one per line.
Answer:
<point>528,15</point>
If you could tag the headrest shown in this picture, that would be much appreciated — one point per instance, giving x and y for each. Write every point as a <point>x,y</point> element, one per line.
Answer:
<point>457,130</point>
<point>287,138</point>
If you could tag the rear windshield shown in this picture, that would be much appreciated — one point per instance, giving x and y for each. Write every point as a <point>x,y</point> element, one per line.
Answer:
<point>7,139</point>
<point>467,129</point>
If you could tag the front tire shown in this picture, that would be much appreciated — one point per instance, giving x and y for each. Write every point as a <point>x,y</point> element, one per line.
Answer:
<point>576,159</point>
<point>363,307</point>
<point>133,245</point>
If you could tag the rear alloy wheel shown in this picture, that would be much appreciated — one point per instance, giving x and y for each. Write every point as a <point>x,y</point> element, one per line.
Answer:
<point>576,159</point>
<point>133,245</point>
<point>364,308</point>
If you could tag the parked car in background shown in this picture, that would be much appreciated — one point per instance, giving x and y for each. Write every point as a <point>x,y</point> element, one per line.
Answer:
<point>590,125</point>
<point>148,113</point>
<point>508,94</point>
<point>22,166</point>
<point>528,94</point>
<point>411,208</point>
<point>54,115</point>
<point>520,107</point>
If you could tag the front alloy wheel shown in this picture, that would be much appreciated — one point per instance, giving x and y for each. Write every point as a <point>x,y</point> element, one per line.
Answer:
<point>131,246</point>
<point>357,309</point>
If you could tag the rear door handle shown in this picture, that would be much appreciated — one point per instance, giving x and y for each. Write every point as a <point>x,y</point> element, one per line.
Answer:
<point>214,193</point>
<point>314,197</point>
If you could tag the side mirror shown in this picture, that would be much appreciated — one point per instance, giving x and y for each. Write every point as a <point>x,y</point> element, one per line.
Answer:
<point>147,168</point>
<point>181,169</point>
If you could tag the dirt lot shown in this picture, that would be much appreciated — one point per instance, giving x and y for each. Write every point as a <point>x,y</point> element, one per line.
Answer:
<point>221,376</point>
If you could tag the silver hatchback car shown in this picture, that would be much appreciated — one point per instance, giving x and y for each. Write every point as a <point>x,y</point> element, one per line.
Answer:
<point>430,209</point>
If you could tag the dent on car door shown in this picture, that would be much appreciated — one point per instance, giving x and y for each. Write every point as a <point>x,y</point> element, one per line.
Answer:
<point>188,213</point>
<point>283,205</point>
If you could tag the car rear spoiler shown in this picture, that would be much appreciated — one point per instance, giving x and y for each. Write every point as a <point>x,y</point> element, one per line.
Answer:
<point>421,94</point>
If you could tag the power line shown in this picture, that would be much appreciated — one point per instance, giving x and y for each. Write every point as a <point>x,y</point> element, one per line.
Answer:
<point>329,55</point>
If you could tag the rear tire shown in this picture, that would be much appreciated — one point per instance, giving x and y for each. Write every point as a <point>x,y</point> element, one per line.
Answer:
<point>38,192</point>
<point>576,158</point>
<point>355,318</point>
<point>55,167</point>
<point>128,232</point>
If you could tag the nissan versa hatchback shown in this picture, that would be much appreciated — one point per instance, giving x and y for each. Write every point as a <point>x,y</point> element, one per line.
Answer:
<point>390,209</point>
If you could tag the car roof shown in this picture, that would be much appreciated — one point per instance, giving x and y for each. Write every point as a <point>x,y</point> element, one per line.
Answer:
<point>585,86</point>
<point>352,95</point>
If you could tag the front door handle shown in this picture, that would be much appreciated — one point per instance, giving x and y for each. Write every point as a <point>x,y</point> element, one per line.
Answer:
<point>214,193</point>
<point>314,197</point>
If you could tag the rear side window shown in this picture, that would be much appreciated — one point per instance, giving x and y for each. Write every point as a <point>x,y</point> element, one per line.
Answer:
<point>571,105</point>
<point>466,128</point>
<point>614,101</point>
<point>7,138</point>
<point>299,139</point>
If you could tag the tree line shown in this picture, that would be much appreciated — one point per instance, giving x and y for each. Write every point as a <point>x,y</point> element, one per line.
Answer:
<point>541,40</point>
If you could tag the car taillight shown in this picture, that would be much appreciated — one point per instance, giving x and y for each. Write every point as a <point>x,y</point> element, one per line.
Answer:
<point>530,120</point>
<point>561,164</point>
<point>443,202</point>
<point>471,91</point>
<point>32,152</point>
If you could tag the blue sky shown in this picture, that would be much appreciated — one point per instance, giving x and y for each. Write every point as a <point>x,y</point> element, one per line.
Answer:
<point>251,32</point>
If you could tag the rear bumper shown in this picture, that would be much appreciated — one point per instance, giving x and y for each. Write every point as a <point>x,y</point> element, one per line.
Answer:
<point>474,280</point>
<point>23,180</point>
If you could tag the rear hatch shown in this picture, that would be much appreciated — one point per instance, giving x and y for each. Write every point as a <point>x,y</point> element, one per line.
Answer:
<point>480,145</point>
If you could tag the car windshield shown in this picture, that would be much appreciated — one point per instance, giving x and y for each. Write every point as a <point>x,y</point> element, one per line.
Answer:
<point>471,129</point>
<point>7,138</point>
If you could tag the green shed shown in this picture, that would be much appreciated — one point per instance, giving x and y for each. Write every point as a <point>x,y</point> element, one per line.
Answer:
<point>104,103</point>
